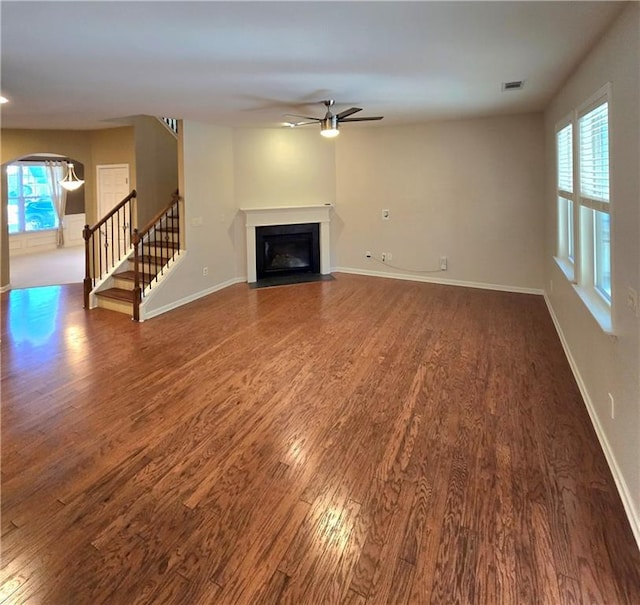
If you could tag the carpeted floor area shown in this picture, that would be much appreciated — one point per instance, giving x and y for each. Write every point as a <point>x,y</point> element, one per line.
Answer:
<point>59,266</point>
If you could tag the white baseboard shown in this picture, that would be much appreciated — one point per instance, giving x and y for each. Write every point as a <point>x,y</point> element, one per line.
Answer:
<point>144,315</point>
<point>621,484</point>
<point>439,280</point>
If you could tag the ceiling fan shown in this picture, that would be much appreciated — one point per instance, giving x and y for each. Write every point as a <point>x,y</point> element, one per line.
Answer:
<point>330,123</point>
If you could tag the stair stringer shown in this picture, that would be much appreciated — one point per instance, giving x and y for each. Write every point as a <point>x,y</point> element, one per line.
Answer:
<point>158,282</point>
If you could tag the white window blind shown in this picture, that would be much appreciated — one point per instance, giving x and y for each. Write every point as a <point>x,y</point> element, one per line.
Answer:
<point>594,154</point>
<point>564,144</point>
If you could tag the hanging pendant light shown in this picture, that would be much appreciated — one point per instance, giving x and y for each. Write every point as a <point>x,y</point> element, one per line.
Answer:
<point>71,182</point>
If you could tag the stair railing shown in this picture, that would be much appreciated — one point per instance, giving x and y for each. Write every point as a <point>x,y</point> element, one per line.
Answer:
<point>106,243</point>
<point>171,124</point>
<point>154,247</point>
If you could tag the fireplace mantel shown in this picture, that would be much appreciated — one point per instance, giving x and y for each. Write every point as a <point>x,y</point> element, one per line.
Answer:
<point>288,215</point>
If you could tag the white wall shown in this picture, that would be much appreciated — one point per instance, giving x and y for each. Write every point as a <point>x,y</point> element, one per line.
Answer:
<point>604,364</point>
<point>207,186</point>
<point>471,190</point>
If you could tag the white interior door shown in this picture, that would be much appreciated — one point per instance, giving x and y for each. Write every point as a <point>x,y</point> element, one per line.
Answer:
<point>113,187</point>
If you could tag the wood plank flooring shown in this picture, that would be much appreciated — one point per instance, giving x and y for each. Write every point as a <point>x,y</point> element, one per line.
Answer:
<point>357,441</point>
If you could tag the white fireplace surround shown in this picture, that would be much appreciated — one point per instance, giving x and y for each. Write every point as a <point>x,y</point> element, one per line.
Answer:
<point>288,215</point>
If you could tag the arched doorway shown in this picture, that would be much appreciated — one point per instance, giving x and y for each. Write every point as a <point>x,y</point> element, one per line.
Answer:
<point>30,224</point>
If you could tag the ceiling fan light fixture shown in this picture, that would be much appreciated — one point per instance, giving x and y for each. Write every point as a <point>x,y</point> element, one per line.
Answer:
<point>71,182</point>
<point>329,127</point>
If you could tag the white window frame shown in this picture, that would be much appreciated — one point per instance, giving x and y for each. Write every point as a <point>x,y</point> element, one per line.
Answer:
<point>566,203</point>
<point>581,269</point>
<point>23,201</point>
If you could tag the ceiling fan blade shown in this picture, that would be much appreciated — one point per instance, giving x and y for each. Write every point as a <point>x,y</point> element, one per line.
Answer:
<point>296,115</point>
<point>362,119</point>
<point>348,112</point>
<point>305,123</point>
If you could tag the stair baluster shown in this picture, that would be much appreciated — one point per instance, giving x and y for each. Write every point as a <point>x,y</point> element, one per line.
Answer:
<point>137,291</point>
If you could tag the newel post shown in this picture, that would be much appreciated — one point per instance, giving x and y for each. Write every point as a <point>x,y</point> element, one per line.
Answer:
<point>133,211</point>
<point>88,281</point>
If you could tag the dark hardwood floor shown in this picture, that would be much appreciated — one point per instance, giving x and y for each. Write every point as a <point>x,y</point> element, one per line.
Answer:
<point>354,441</point>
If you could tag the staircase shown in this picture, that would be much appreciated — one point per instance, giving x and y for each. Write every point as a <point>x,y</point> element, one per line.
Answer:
<point>123,284</point>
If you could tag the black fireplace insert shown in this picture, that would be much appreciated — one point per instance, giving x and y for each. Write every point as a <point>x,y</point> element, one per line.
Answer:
<point>287,250</point>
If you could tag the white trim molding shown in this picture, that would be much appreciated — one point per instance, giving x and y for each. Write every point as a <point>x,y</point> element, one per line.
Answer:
<point>439,280</point>
<point>144,315</point>
<point>623,490</point>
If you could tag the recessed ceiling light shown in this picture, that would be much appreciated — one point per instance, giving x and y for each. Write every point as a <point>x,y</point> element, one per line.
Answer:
<point>4,100</point>
<point>515,85</point>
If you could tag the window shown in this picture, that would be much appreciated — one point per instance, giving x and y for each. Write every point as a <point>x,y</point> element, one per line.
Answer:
<point>564,149</point>
<point>30,205</point>
<point>602,256</point>
<point>594,195</point>
<point>584,221</point>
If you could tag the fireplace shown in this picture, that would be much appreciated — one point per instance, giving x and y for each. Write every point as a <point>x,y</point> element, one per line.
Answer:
<point>287,250</point>
<point>295,257</point>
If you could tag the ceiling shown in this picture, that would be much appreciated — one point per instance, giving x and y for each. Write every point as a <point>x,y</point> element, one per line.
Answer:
<point>86,64</point>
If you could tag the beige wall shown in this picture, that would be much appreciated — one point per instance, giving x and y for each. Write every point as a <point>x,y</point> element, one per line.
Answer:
<point>110,146</point>
<point>114,146</point>
<point>16,144</point>
<point>279,167</point>
<point>156,170</point>
<point>471,190</point>
<point>605,364</point>
<point>91,147</point>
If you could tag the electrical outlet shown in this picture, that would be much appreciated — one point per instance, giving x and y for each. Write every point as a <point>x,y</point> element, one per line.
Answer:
<point>385,214</point>
<point>205,271</point>
<point>613,406</point>
<point>367,254</point>
<point>383,256</point>
<point>443,263</point>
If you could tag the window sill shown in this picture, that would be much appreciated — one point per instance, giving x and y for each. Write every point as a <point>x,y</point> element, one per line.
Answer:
<point>566,267</point>
<point>600,310</point>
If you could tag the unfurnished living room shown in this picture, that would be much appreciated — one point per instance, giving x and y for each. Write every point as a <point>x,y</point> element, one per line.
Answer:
<point>356,318</point>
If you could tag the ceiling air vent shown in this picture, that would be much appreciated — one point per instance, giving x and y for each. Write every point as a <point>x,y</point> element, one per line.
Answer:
<point>515,85</point>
